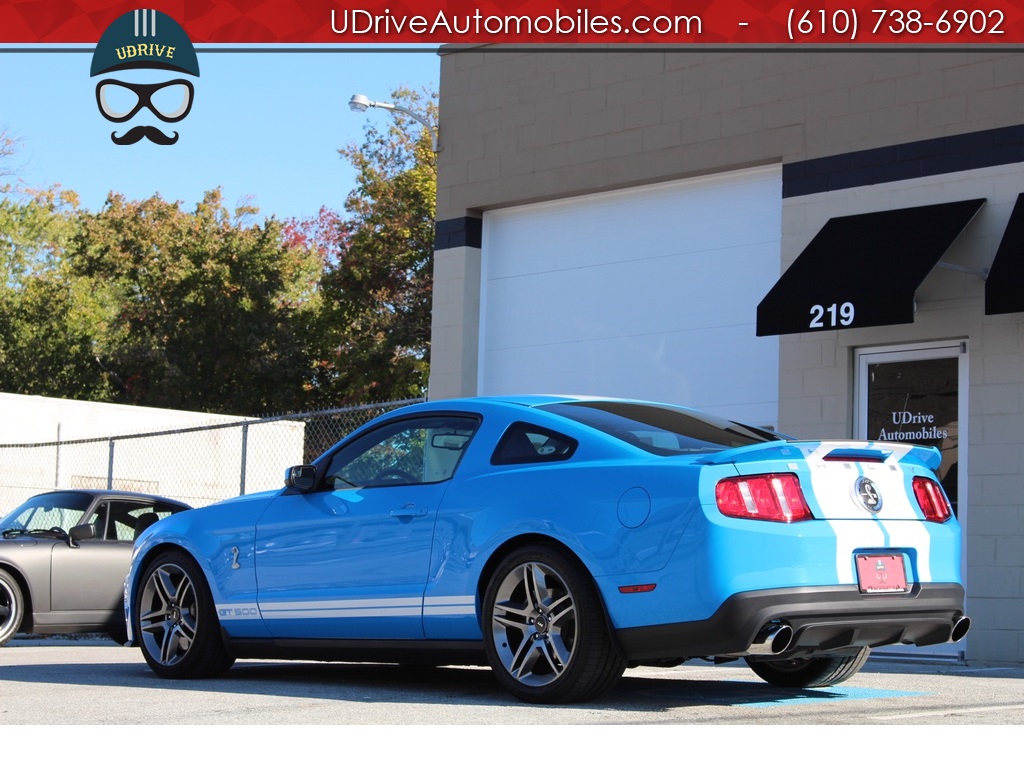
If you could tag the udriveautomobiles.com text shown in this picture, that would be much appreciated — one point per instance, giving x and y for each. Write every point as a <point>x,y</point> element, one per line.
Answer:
<point>361,22</point>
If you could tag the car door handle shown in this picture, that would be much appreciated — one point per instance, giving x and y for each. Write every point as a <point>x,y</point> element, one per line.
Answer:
<point>409,510</point>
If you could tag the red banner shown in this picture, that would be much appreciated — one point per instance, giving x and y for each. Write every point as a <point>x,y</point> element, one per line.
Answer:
<point>550,22</point>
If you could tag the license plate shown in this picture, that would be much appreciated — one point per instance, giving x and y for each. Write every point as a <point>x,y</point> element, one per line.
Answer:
<point>881,573</point>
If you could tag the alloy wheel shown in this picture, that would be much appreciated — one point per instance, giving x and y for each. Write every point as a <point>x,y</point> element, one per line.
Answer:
<point>168,620</point>
<point>534,624</point>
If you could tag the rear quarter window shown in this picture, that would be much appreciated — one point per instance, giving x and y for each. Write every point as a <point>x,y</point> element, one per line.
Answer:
<point>525,443</point>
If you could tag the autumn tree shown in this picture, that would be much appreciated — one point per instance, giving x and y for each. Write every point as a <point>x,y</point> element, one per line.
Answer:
<point>206,310</point>
<point>376,288</point>
<point>146,304</point>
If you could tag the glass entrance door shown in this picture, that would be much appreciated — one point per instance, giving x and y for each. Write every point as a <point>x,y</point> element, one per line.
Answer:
<point>918,394</point>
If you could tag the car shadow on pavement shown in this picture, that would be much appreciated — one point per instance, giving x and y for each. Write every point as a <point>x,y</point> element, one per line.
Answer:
<point>410,684</point>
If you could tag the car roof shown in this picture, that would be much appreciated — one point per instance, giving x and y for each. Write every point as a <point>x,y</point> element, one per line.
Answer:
<point>535,400</point>
<point>114,493</point>
<point>524,401</point>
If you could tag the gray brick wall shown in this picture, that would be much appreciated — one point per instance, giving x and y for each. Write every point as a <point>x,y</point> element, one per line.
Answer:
<point>526,126</point>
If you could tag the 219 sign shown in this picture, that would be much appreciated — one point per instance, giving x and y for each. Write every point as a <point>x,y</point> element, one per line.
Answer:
<point>832,316</point>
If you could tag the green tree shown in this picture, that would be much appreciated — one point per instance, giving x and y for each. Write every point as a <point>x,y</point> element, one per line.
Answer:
<point>205,310</point>
<point>376,289</point>
<point>44,335</point>
<point>46,341</point>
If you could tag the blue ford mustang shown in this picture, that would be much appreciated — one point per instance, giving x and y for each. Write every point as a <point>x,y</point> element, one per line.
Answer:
<point>560,540</point>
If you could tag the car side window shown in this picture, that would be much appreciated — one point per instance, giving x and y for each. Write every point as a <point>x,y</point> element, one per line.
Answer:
<point>125,519</point>
<point>403,452</point>
<point>100,517</point>
<point>525,443</point>
<point>120,520</point>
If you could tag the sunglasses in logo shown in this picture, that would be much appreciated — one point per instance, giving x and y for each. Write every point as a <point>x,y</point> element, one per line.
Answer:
<point>119,101</point>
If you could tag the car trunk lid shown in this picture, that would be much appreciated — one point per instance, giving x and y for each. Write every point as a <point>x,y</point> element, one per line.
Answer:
<point>842,479</point>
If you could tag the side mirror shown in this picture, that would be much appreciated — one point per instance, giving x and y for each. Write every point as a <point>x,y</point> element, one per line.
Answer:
<point>81,532</point>
<point>301,477</point>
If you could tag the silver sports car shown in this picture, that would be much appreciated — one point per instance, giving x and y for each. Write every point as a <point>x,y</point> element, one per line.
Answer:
<point>64,556</point>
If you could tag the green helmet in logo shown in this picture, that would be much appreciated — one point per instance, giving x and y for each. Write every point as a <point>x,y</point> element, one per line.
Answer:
<point>144,39</point>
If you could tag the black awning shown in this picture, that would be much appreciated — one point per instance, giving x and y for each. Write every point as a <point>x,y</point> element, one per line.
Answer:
<point>1004,286</point>
<point>863,270</point>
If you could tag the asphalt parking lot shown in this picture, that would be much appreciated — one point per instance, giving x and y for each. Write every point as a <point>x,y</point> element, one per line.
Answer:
<point>92,681</point>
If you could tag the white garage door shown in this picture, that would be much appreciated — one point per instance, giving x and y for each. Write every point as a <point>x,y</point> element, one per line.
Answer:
<point>649,292</point>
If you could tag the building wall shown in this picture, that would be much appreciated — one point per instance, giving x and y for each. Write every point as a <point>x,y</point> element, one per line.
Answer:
<point>35,419</point>
<point>817,380</point>
<point>523,127</point>
<point>48,443</point>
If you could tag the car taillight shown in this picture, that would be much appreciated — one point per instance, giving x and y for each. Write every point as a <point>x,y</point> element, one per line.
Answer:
<point>775,497</point>
<point>932,500</point>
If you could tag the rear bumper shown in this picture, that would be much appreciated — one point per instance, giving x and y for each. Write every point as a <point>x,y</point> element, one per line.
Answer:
<point>822,619</point>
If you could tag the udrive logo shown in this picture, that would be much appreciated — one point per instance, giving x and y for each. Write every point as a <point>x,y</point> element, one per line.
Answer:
<point>142,47</point>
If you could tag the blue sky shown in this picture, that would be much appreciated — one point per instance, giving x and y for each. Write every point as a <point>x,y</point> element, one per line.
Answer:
<point>264,126</point>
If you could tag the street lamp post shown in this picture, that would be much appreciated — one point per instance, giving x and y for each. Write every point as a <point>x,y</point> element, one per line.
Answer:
<point>360,103</point>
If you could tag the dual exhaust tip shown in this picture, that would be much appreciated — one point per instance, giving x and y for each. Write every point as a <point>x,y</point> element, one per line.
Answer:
<point>961,625</point>
<point>776,638</point>
<point>771,640</point>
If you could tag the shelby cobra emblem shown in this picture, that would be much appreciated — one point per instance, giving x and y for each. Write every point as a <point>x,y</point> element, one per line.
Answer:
<point>867,494</point>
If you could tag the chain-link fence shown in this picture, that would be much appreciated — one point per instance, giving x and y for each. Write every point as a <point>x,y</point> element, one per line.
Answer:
<point>197,465</point>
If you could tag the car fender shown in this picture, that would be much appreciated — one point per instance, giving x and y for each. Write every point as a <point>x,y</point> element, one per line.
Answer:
<point>612,529</point>
<point>28,560</point>
<point>221,540</point>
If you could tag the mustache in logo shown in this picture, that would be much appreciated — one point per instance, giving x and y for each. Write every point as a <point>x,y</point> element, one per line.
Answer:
<point>140,132</point>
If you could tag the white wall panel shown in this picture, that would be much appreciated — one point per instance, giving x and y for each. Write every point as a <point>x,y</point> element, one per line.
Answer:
<point>649,292</point>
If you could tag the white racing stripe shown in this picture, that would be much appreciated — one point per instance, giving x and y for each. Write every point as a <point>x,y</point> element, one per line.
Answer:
<point>456,605</point>
<point>343,609</point>
<point>855,528</point>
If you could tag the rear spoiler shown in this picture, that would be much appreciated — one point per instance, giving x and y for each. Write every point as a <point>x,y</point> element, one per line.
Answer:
<point>928,457</point>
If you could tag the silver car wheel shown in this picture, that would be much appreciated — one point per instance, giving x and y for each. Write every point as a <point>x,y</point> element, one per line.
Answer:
<point>168,620</point>
<point>534,624</point>
<point>12,607</point>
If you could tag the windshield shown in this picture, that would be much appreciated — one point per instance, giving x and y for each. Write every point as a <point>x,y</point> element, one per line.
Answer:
<point>662,429</point>
<point>49,510</point>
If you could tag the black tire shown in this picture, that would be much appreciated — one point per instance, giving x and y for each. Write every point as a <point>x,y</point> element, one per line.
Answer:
<point>12,607</point>
<point>545,632</point>
<point>813,672</point>
<point>175,622</point>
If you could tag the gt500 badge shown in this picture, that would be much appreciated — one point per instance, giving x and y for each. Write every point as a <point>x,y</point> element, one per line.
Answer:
<point>239,612</point>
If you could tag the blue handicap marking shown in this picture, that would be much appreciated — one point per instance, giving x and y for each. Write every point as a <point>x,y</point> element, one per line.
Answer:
<point>837,693</point>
